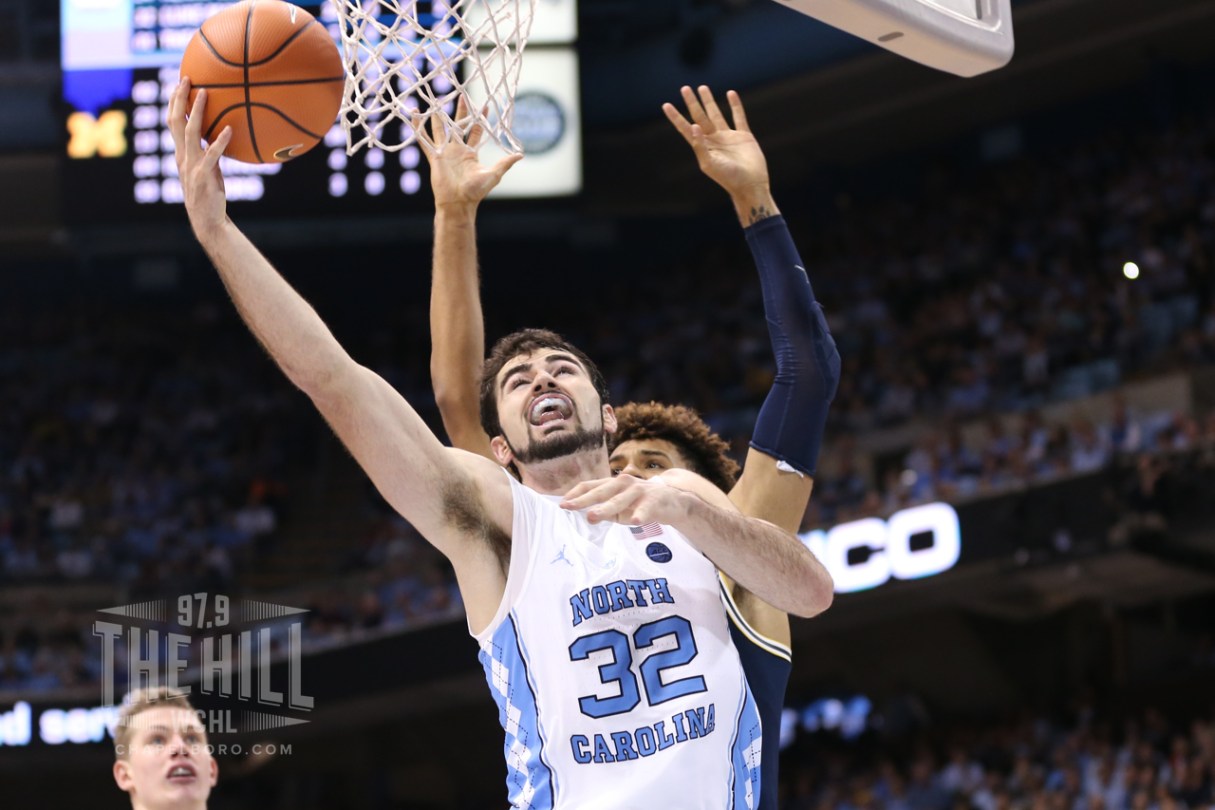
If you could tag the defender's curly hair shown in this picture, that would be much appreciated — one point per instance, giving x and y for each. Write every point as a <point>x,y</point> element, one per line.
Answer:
<point>707,452</point>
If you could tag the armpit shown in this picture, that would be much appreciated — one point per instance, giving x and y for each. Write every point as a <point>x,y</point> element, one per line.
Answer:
<point>465,512</point>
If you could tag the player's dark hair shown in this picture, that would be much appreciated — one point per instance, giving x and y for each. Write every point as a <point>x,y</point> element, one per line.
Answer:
<point>526,341</point>
<point>707,452</point>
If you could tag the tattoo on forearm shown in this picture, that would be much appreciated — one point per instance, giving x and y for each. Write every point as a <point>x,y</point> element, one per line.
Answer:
<point>760,212</point>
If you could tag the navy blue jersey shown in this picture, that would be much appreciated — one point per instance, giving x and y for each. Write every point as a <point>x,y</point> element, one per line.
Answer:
<point>767,665</point>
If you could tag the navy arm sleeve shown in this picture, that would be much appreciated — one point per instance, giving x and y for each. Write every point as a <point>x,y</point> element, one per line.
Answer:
<point>794,415</point>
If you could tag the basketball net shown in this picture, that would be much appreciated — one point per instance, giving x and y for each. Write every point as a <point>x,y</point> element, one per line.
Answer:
<point>399,61</point>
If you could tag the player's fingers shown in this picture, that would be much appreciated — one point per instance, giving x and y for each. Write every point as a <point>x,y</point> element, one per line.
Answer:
<point>461,127</point>
<point>193,130</point>
<point>419,130</point>
<point>583,495</point>
<point>618,508</point>
<point>175,104</point>
<point>177,117</point>
<point>215,149</point>
<point>638,514</point>
<point>574,495</point>
<point>177,111</point>
<point>503,165</point>
<point>696,135</point>
<point>695,110</point>
<point>589,493</point>
<point>438,132</point>
<point>711,109</point>
<point>681,124</point>
<point>478,130</point>
<point>737,112</point>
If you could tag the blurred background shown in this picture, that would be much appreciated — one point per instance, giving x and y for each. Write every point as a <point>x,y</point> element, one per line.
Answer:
<point>1019,270</point>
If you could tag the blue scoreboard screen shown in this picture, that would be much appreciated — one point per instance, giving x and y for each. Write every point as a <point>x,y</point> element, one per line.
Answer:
<point>120,63</point>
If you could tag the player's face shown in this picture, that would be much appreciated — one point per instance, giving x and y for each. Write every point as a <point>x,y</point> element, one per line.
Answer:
<point>548,407</point>
<point>168,764</point>
<point>646,458</point>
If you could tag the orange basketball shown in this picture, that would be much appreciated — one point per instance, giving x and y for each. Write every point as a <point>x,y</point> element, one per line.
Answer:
<point>272,73</point>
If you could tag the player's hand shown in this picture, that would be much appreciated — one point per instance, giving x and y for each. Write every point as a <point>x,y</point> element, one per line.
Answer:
<point>457,178</point>
<point>729,155</point>
<point>628,500</point>
<point>202,183</point>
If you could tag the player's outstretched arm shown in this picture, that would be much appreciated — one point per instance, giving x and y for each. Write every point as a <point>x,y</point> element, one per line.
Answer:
<point>431,486</point>
<point>778,474</point>
<point>728,154</point>
<point>765,559</point>
<point>457,329</point>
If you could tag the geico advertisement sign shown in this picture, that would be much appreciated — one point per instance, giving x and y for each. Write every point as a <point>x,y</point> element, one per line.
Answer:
<point>889,543</point>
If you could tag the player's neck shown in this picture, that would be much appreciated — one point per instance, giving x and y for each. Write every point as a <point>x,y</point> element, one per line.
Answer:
<point>559,475</point>
<point>138,805</point>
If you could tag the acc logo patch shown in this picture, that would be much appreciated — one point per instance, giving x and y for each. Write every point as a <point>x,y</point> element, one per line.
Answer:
<point>658,552</point>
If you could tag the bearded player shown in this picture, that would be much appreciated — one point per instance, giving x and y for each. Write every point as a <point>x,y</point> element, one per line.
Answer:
<point>650,439</point>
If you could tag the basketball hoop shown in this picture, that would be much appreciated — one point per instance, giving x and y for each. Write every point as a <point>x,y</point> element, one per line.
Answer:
<point>401,59</point>
<point>963,37</point>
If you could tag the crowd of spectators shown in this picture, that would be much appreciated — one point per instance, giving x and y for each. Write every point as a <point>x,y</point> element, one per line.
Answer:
<point>148,449</point>
<point>151,449</point>
<point>405,583</point>
<point>994,291</point>
<point>137,448</point>
<point>1086,763</point>
<point>1008,452</point>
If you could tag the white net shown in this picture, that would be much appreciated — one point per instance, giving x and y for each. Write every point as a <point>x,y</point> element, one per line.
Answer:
<point>404,56</point>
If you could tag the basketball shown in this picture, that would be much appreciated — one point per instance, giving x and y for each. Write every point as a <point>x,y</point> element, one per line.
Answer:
<point>272,72</point>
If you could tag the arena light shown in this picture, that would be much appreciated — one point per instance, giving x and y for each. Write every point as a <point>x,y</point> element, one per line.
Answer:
<point>1130,270</point>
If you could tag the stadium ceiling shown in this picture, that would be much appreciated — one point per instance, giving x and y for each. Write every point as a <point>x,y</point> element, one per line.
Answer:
<point>867,103</point>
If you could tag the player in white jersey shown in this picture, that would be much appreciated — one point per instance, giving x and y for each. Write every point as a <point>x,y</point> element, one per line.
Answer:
<point>546,408</point>
<point>650,438</point>
<point>612,665</point>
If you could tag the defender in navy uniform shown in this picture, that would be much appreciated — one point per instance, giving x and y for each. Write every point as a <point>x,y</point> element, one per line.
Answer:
<point>778,473</point>
<point>651,438</point>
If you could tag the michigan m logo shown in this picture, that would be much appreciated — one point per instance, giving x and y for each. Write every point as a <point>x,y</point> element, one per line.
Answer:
<point>104,136</point>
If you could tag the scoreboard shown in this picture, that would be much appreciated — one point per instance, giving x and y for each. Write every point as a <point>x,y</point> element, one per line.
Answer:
<point>120,62</point>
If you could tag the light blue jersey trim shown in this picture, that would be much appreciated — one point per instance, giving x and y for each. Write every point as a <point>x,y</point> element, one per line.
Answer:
<point>552,772</point>
<point>745,752</point>
<point>529,779</point>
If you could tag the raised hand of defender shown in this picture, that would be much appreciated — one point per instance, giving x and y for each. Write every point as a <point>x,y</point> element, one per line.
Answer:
<point>629,500</point>
<point>202,183</point>
<point>729,155</point>
<point>456,176</point>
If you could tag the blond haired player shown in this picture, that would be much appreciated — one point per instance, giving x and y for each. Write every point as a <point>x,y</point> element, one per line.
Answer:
<point>162,759</point>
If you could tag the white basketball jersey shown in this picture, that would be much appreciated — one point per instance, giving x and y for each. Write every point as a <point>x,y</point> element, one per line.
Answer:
<point>611,662</point>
